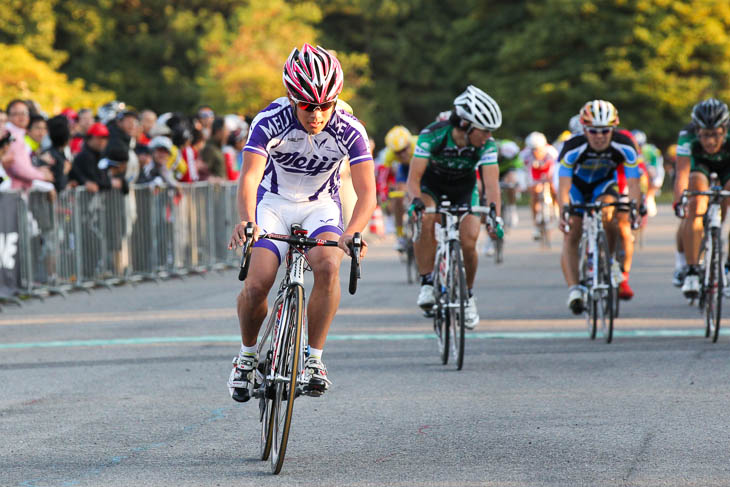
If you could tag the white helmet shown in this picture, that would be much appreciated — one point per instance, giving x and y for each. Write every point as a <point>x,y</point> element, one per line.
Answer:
<point>478,108</point>
<point>574,125</point>
<point>509,149</point>
<point>536,140</point>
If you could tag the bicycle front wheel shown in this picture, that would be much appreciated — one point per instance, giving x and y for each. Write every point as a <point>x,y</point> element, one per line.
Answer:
<point>713,286</point>
<point>457,303</point>
<point>603,301</point>
<point>585,276</point>
<point>286,374</point>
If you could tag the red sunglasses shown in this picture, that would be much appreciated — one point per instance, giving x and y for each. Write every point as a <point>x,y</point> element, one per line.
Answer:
<point>310,107</point>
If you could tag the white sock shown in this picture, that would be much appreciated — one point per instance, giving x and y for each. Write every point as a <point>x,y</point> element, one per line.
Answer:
<point>679,260</point>
<point>315,353</point>
<point>250,351</point>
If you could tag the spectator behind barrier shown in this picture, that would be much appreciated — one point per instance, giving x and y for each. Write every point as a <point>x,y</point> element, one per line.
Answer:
<point>21,169</point>
<point>5,159</point>
<point>59,154</point>
<point>155,171</point>
<point>212,154</point>
<point>85,170</point>
<point>37,130</point>
<point>147,121</point>
<point>84,121</point>
<point>205,120</point>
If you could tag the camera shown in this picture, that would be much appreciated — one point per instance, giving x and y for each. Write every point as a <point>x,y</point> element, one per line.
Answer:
<point>6,139</point>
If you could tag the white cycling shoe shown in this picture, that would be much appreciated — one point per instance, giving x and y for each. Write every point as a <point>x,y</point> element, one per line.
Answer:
<point>616,274</point>
<point>691,286</point>
<point>471,315</point>
<point>425,297</point>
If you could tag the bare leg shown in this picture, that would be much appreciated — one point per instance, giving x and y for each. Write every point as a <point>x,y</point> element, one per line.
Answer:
<point>252,305</point>
<point>693,226</point>
<point>325,296</point>
<point>569,256</point>
<point>468,235</point>
<point>425,246</point>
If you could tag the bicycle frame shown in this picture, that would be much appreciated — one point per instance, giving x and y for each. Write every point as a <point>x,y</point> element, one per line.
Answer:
<point>592,227</point>
<point>296,265</point>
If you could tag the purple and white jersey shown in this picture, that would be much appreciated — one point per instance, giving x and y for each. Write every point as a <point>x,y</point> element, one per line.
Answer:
<point>300,166</point>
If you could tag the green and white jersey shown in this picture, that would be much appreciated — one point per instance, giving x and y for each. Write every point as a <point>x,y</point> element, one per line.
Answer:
<point>436,144</point>
<point>688,145</point>
<point>684,141</point>
<point>652,155</point>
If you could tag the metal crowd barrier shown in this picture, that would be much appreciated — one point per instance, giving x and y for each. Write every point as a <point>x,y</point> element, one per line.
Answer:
<point>82,240</point>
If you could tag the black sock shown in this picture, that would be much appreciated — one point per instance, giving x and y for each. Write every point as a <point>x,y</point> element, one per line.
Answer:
<point>427,279</point>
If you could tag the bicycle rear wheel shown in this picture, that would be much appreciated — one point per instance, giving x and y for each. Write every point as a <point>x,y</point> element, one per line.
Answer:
<point>440,314</point>
<point>457,303</point>
<point>287,375</point>
<point>604,300</point>
<point>713,286</point>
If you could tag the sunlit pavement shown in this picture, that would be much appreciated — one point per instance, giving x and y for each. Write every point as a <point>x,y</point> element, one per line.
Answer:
<point>128,388</point>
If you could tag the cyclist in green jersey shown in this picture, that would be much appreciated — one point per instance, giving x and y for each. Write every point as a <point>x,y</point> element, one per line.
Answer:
<point>654,163</point>
<point>511,172</point>
<point>700,152</point>
<point>447,154</point>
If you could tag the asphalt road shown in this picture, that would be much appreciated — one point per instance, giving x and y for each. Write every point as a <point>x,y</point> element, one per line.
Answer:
<point>128,387</point>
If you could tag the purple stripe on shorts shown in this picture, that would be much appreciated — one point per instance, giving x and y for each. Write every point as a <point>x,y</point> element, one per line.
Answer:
<point>336,198</point>
<point>268,244</point>
<point>326,228</point>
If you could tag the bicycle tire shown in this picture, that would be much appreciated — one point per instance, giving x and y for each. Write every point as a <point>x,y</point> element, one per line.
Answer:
<point>411,270</point>
<point>440,317</point>
<point>457,291</point>
<point>713,288</point>
<point>288,366</point>
<point>586,279</point>
<point>499,250</point>
<point>265,401</point>
<point>604,303</point>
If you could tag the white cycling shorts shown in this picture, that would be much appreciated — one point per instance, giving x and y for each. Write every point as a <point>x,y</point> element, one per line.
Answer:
<point>275,214</point>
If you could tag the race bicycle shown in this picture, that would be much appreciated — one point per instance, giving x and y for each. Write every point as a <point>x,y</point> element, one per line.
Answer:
<point>449,276</point>
<point>594,266</point>
<point>710,256</point>
<point>546,217</point>
<point>407,254</point>
<point>280,373</point>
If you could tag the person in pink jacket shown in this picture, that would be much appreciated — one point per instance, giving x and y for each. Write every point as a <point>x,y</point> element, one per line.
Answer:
<point>21,170</point>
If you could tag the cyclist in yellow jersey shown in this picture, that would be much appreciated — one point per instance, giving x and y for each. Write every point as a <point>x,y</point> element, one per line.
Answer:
<point>400,146</point>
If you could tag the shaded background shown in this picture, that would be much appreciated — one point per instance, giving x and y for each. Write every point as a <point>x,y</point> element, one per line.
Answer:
<point>404,60</point>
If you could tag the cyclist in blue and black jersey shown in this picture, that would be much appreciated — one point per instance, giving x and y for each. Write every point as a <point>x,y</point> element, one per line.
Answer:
<point>587,174</point>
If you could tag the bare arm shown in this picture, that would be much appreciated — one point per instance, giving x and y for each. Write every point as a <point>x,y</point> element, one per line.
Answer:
<point>564,185</point>
<point>681,180</point>
<point>252,171</point>
<point>415,172</point>
<point>490,180</point>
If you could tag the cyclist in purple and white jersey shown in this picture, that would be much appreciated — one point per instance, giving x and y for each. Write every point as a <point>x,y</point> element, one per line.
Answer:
<point>290,174</point>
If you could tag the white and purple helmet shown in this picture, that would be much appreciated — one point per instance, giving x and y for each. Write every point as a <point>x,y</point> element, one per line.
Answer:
<point>312,75</point>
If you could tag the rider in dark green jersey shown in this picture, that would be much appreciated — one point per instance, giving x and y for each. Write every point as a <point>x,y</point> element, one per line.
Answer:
<point>701,152</point>
<point>444,163</point>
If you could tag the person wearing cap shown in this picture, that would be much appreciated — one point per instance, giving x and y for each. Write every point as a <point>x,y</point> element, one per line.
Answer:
<point>85,170</point>
<point>154,171</point>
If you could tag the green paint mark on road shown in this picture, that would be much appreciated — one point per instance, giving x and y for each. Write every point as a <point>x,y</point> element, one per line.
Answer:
<point>507,335</point>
